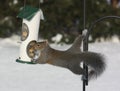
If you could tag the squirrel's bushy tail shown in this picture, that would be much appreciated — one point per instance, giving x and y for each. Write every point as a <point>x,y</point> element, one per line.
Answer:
<point>96,63</point>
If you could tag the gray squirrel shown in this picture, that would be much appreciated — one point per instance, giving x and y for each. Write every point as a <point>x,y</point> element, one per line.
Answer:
<point>71,58</point>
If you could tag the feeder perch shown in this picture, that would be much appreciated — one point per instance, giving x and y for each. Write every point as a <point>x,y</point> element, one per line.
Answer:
<point>30,29</point>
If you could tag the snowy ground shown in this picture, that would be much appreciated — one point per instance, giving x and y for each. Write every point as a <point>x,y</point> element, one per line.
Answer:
<point>23,77</point>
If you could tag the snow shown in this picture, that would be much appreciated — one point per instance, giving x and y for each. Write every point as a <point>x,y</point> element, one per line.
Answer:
<point>57,38</point>
<point>25,77</point>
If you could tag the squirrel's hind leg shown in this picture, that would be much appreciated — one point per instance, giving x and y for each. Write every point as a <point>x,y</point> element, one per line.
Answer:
<point>76,69</point>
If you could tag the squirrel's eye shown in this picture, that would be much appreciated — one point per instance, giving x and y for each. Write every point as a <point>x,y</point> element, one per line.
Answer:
<point>38,45</point>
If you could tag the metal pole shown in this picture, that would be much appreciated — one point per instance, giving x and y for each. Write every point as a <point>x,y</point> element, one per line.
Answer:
<point>98,20</point>
<point>84,14</point>
<point>85,41</point>
<point>24,3</point>
<point>85,48</point>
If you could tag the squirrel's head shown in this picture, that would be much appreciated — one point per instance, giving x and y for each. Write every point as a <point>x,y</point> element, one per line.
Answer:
<point>40,45</point>
<point>34,47</point>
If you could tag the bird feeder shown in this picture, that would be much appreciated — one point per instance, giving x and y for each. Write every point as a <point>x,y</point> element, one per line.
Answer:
<point>30,29</point>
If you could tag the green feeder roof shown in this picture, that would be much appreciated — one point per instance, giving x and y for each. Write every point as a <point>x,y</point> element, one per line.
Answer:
<point>28,12</point>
